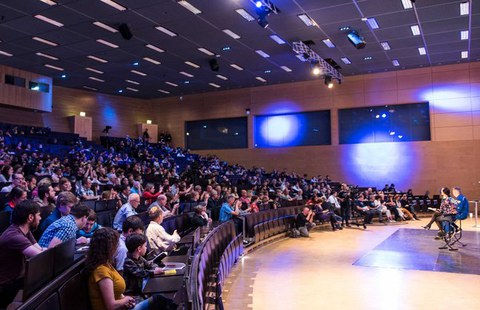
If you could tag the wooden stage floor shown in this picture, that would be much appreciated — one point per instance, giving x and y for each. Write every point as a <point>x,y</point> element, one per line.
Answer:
<point>344,270</point>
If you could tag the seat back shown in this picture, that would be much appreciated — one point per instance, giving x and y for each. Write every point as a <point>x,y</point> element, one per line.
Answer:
<point>4,220</point>
<point>63,256</point>
<point>73,294</point>
<point>38,271</point>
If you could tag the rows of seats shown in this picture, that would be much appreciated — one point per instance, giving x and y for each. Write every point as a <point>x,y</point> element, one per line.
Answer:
<point>229,257</point>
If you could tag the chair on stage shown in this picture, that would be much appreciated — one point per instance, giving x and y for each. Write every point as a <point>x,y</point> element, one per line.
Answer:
<point>453,234</point>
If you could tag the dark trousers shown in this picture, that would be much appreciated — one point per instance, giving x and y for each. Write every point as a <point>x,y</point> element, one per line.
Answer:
<point>345,213</point>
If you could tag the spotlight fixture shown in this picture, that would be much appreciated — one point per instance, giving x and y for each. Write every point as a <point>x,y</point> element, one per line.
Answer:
<point>316,69</point>
<point>264,8</point>
<point>356,39</point>
<point>328,81</point>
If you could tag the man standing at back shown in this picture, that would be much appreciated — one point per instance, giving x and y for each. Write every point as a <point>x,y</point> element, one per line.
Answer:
<point>125,211</point>
<point>16,244</point>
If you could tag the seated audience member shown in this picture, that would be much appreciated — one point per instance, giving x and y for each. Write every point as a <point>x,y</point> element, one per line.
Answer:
<point>360,206</point>
<point>17,180</point>
<point>149,194</point>
<point>136,269</point>
<point>136,188</point>
<point>200,217</point>
<point>126,210</point>
<point>254,204</point>
<point>405,205</point>
<point>123,194</point>
<point>16,244</point>
<point>64,185</point>
<point>85,191</point>
<point>446,212</point>
<point>16,195</point>
<point>304,221</point>
<point>324,211</point>
<point>6,174</point>
<point>46,200</point>
<point>65,228</point>
<point>227,211</point>
<point>90,227</point>
<point>132,225</point>
<point>158,239</point>
<point>162,203</point>
<point>214,204</point>
<point>65,202</point>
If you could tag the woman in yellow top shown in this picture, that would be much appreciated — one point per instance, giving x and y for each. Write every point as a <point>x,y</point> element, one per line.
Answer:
<point>105,284</point>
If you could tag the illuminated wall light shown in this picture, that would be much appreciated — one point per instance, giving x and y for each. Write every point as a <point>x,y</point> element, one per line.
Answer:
<point>464,35</point>
<point>187,5</point>
<point>231,34</point>
<point>422,51</point>
<point>166,31</point>
<point>415,30</point>
<point>46,56</point>
<point>107,43</point>
<point>114,4</point>
<point>464,54</point>
<point>245,14</point>
<point>214,85</point>
<point>105,26</point>
<point>262,53</point>
<point>346,60</point>
<point>83,114</point>
<point>155,48</point>
<point>149,121</point>
<point>407,4</point>
<point>48,20</point>
<point>328,43</point>
<point>45,41</point>
<point>97,59</point>
<point>277,39</point>
<point>192,64</point>
<point>151,60</point>
<point>464,8</point>
<point>54,67</point>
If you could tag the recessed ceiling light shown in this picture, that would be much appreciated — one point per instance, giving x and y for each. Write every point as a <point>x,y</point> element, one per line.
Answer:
<point>54,67</point>
<point>5,53</point>
<point>422,51</point>
<point>138,72</point>
<point>114,5</point>
<point>267,71</point>
<point>328,43</point>
<point>46,56</point>
<point>464,54</point>
<point>277,39</point>
<point>94,70</point>
<point>189,7</point>
<point>205,51</point>
<point>395,62</point>
<point>344,28</point>
<point>166,31</point>
<point>306,20</point>
<point>120,91</point>
<point>186,82</point>
<point>368,58</point>
<point>48,20</point>
<point>132,89</point>
<point>192,64</point>
<point>226,48</point>
<point>464,35</point>
<point>261,79</point>
<point>262,53</point>
<point>105,26</point>
<point>107,43</point>
<point>385,46</point>
<point>287,69</point>
<point>407,4</point>
<point>245,14</point>
<point>97,59</point>
<point>45,41</point>
<point>49,2</point>
<point>153,61</point>
<point>415,30</point>
<point>236,67</point>
<point>373,23</point>
<point>171,84</point>
<point>346,60</point>
<point>222,77</point>
<point>163,91</point>
<point>231,34</point>
<point>464,8</point>
<point>155,48</point>
<point>90,88</point>
<point>132,82</point>
<point>96,79</point>
<point>186,74</point>
<point>214,85</point>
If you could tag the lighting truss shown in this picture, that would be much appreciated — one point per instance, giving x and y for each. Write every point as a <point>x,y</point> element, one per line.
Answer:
<point>268,4</point>
<point>307,54</point>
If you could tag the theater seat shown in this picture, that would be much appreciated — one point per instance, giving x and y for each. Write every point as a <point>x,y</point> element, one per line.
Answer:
<point>51,303</point>
<point>73,294</point>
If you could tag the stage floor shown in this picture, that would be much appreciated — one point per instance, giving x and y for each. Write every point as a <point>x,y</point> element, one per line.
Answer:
<point>383,267</point>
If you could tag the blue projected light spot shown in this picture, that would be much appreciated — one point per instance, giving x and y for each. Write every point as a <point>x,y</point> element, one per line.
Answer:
<point>280,130</point>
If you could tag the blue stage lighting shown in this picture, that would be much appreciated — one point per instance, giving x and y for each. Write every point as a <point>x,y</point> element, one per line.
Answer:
<point>258,4</point>
<point>377,116</point>
<point>384,115</point>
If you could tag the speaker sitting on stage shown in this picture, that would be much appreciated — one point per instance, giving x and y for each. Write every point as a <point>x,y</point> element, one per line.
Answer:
<point>446,212</point>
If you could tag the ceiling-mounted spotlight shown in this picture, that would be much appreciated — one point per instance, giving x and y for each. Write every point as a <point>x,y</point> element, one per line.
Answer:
<point>263,9</point>
<point>328,81</point>
<point>356,39</point>
<point>316,69</point>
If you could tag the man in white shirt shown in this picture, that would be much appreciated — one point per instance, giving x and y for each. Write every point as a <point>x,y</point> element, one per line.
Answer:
<point>334,200</point>
<point>158,239</point>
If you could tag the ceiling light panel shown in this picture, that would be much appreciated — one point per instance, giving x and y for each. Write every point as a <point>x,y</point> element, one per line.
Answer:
<point>346,60</point>
<point>155,48</point>
<point>415,30</point>
<point>90,88</point>
<point>231,34</point>
<point>464,35</point>
<point>214,85</point>
<point>93,70</point>
<point>464,8</point>
<point>107,43</point>
<point>186,74</point>
<point>262,53</point>
<point>277,39</point>
<point>395,62</point>
<point>48,20</point>
<point>54,67</point>
<point>49,2</point>
<point>245,14</point>
<point>132,89</point>
<point>138,72</point>
<point>422,51</point>
<point>328,43</point>
<point>373,23</point>
<point>166,31</point>
<point>261,79</point>
<point>164,91</point>
<point>236,67</point>
<point>205,51</point>
<point>187,5</point>
<point>306,20</point>
<point>192,64</point>
<point>46,56</point>
<point>222,77</point>
<point>105,26</point>
<point>45,41</point>
<point>96,79</point>
<point>385,46</point>
<point>171,84</point>
<point>151,60</point>
<point>132,82</point>
<point>97,59</point>
<point>407,4</point>
<point>114,4</point>
<point>5,53</point>
<point>464,54</point>
<point>286,69</point>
